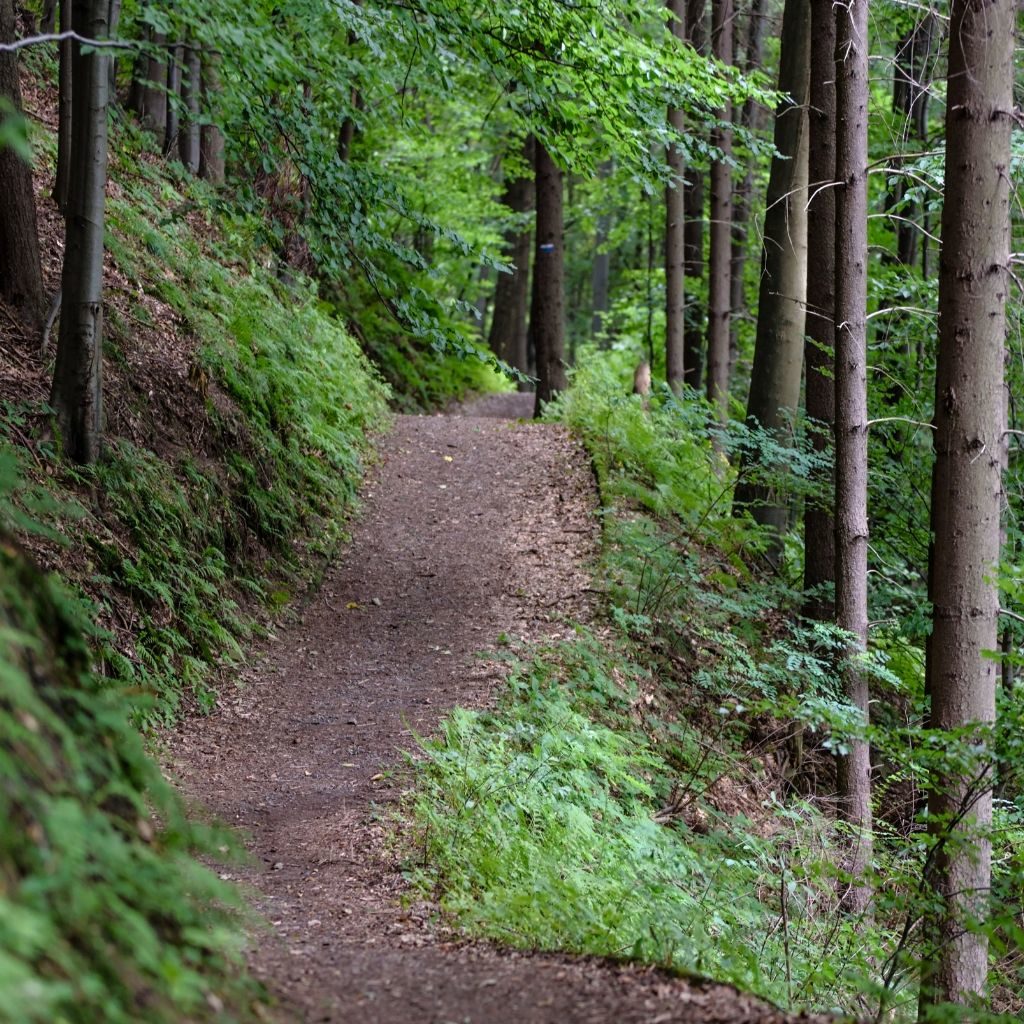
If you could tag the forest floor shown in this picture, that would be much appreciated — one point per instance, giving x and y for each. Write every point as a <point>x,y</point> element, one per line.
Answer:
<point>473,527</point>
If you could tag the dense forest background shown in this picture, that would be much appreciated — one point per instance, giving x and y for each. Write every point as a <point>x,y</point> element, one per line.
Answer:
<point>761,257</point>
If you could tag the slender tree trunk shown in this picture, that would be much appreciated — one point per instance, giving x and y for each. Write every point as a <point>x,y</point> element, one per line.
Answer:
<point>750,119</point>
<point>854,769</point>
<point>48,18</point>
<point>547,304</point>
<point>77,394</point>
<point>211,139</point>
<point>779,345</point>
<point>60,187</point>
<point>693,230</point>
<point>970,436</point>
<point>154,94</point>
<point>675,237</point>
<point>347,131</point>
<point>21,279</point>
<point>819,349</point>
<point>600,271</point>
<point>719,256</point>
<point>175,54</point>
<point>113,23</point>
<point>191,90</point>
<point>507,337</point>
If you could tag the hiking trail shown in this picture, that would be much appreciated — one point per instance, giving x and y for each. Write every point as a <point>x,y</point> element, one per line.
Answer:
<point>472,526</point>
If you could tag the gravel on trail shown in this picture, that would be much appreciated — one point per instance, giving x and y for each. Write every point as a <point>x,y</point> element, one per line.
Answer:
<point>473,526</point>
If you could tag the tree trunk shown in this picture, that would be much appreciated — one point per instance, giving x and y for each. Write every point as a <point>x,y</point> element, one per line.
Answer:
<point>211,139</point>
<point>675,228</point>
<point>750,119</point>
<point>854,769</point>
<point>719,255</point>
<point>154,92</point>
<point>966,482</point>
<point>113,22</point>
<point>507,337</point>
<point>21,278</point>
<point>347,131</point>
<point>819,348</point>
<point>191,89</point>
<point>77,394</point>
<point>48,18</point>
<point>174,59</point>
<point>64,86</point>
<point>600,271</point>
<point>547,303</point>
<point>779,346</point>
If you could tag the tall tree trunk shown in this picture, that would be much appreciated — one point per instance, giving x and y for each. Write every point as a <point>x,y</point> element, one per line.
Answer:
<point>211,139</point>
<point>675,239</point>
<point>21,279</point>
<point>750,120</point>
<point>693,230</point>
<point>779,345</point>
<point>154,92</point>
<point>113,23</point>
<point>600,271</point>
<point>719,255</point>
<point>819,349</point>
<point>854,769</point>
<point>175,55</point>
<point>966,482</point>
<point>77,394</point>
<point>64,86</point>
<point>547,329</point>
<point>191,89</point>
<point>507,337</point>
<point>48,18</point>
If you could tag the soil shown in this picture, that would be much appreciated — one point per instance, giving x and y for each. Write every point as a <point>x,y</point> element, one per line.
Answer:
<point>475,529</point>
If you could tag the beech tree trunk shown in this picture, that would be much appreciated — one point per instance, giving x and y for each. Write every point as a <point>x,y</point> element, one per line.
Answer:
<point>719,255</point>
<point>64,86</point>
<point>675,249</point>
<point>974,276</point>
<point>547,302</point>
<point>507,338</point>
<point>819,348</point>
<point>854,769</point>
<point>21,279</point>
<point>153,113</point>
<point>211,139</point>
<point>779,346</point>
<point>77,394</point>
<point>191,89</point>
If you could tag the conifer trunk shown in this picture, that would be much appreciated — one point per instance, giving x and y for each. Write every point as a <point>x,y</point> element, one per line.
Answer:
<point>720,253</point>
<point>507,338</point>
<point>779,346</point>
<point>21,280</point>
<point>675,249</point>
<point>974,276</point>
<point>854,769</point>
<point>693,230</point>
<point>77,394</point>
<point>819,349</point>
<point>547,304</point>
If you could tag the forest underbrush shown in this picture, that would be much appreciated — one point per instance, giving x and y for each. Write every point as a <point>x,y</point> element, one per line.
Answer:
<point>660,788</point>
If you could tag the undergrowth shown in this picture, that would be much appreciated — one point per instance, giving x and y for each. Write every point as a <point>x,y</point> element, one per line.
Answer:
<point>649,790</point>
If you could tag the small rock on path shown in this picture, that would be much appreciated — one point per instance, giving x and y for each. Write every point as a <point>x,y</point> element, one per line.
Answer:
<point>472,526</point>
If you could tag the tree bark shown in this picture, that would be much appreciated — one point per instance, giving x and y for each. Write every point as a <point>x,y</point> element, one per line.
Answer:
<point>854,769</point>
<point>974,277</point>
<point>175,54</point>
<point>507,337</point>
<point>779,345</point>
<point>675,237</point>
<point>819,348</point>
<point>719,255</point>
<point>693,230</point>
<point>750,119</point>
<point>547,313</point>
<point>211,139</point>
<point>64,86</point>
<point>113,22</point>
<point>154,95</point>
<point>191,89</point>
<point>77,394</point>
<point>21,278</point>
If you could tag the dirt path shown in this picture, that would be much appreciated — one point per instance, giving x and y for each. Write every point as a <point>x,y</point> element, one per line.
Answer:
<point>473,526</point>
